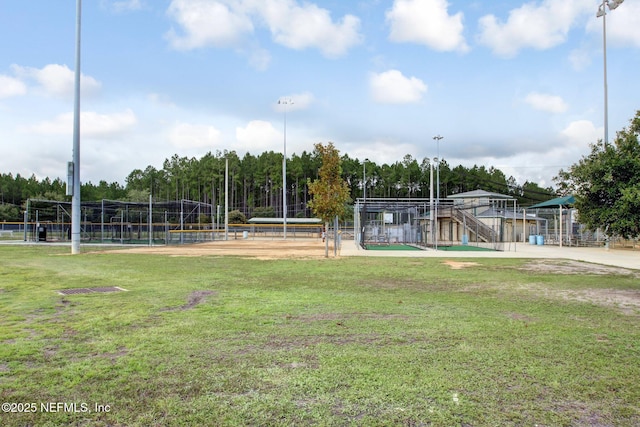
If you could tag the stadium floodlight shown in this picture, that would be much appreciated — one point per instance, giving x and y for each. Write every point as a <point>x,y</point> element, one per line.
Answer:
<point>602,13</point>
<point>615,3</point>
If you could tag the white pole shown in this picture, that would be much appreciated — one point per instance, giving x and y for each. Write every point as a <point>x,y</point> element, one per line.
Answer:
<point>431,210</point>
<point>150,220</point>
<point>438,138</point>
<point>213,217</point>
<point>284,178</point>
<point>75,201</point>
<point>226,199</point>
<point>606,91</point>
<point>602,11</point>
<point>101,223</point>
<point>515,240</point>
<point>26,215</point>
<point>524,226</point>
<point>560,225</point>
<point>284,102</point>
<point>364,181</point>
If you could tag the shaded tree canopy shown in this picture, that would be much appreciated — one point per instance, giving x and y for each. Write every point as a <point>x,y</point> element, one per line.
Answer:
<point>606,184</point>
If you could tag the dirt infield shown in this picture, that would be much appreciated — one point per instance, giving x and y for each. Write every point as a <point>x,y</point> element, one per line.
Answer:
<point>248,248</point>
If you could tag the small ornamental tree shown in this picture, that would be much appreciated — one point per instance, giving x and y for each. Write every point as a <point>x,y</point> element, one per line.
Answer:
<point>329,192</point>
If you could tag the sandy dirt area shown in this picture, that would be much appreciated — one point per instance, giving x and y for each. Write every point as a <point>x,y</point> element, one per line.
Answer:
<point>248,248</point>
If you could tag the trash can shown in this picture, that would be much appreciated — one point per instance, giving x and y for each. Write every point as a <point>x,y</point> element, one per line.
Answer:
<point>465,239</point>
<point>540,240</point>
<point>245,234</point>
<point>532,239</point>
<point>42,234</point>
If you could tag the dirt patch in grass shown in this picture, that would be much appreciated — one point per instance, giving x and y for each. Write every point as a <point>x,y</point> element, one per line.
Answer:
<point>340,317</point>
<point>335,336</point>
<point>114,356</point>
<point>194,298</point>
<point>627,301</point>
<point>459,265</point>
<point>520,317</point>
<point>575,267</point>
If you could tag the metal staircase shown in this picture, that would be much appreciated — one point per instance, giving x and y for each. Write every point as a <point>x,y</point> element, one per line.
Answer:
<point>483,231</point>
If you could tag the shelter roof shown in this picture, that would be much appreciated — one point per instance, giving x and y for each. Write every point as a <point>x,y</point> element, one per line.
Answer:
<point>479,194</point>
<point>555,203</point>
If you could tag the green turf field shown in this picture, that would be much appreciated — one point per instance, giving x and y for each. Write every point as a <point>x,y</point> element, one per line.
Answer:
<point>392,248</point>
<point>464,248</point>
<point>358,341</point>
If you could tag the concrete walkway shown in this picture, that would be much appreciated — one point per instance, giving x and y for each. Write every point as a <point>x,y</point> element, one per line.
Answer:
<point>614,257</point>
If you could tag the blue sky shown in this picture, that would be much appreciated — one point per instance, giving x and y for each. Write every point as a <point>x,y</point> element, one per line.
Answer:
<point>512,84</point>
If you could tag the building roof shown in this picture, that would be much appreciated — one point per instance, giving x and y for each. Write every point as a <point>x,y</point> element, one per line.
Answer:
<point>479,194</point>
<point>555,203</point>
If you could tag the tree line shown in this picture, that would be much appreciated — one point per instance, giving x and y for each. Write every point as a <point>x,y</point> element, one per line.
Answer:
<point>255,183</point>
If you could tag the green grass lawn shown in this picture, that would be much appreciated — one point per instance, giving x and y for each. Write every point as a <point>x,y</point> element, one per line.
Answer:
<point>333,342</point>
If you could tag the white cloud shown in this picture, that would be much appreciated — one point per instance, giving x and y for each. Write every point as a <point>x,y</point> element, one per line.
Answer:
<point>581,133</point>
<point>187,135</point>
<point>10,86</point>
<point>160,99</point>
<point>208,23</point>
<point>258,136</point>
<point>106,125</point>
<point>226,23</point>
<point>259,59</point>
<point>120,6</point>
<point>380,151</point>
<point>92,124</point>
<point>546,102</point>
<point>391,87</point>
<point>58,80</point>
<point>531,25</point>
<point>580,58</point>
<point>308,26</point>
<point>427,22</point>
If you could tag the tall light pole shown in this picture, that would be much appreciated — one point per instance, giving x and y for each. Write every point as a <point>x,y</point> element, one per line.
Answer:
<point>363,213</point>
<point>437,160</point>
<point>431,211</point>
<point>364,180</point>
<point>602,12</point>
<point>75,200</point>
<point>285,102</point>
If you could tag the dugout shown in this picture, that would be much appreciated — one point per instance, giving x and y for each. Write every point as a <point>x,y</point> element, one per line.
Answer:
<point>383,221</point>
